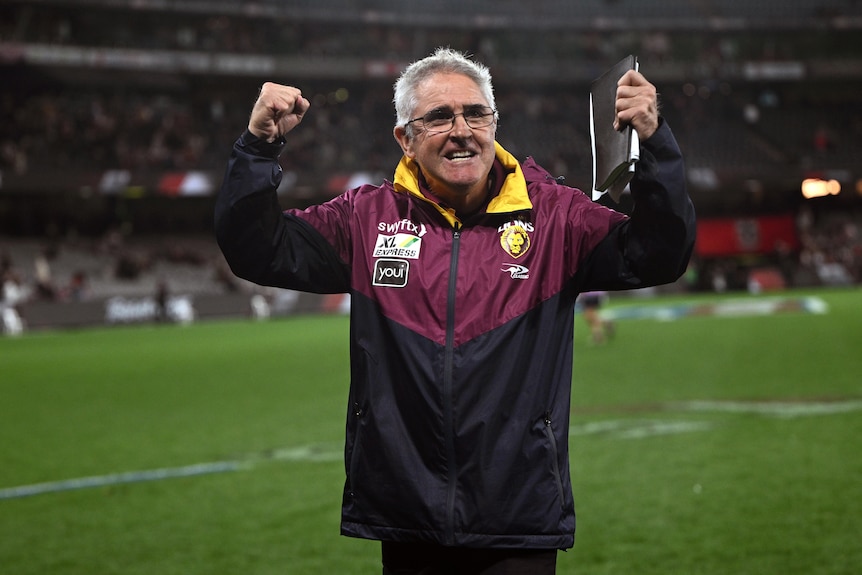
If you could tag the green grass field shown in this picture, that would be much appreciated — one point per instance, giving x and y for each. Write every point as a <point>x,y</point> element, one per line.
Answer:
<point>708,445</point>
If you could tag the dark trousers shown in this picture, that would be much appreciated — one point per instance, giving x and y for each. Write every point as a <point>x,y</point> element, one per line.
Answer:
<point>428,559</point>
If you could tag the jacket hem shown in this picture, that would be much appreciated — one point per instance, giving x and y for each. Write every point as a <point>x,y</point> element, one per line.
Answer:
<point>474,540</point>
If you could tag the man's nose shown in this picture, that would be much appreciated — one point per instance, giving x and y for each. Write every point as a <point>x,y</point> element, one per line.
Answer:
<point>460,126</point>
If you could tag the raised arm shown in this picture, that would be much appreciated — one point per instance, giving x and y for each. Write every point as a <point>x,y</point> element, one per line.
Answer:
<point>261,242</point>
<point>654,245</point>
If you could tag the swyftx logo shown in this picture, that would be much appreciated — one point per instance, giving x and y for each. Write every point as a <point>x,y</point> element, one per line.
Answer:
<point>390,272</point>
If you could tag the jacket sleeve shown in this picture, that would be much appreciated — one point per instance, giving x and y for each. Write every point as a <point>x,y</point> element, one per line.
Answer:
<point>654,245</point>
<point>260,242</point>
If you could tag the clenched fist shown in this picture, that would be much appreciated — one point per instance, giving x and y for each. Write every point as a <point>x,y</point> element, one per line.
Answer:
<point>277,111</point>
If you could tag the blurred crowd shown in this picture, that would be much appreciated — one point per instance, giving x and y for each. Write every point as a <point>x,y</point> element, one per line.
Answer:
<point>830,254</point>
<point>349,128</point>
<point>167,271</point>
<point>86,128</point>
<point>79,269</point>
<point>63,122</point>
<point>394,36</point>
<point>186,123</point>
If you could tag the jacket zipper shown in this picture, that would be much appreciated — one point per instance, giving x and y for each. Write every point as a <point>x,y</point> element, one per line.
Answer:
<point>448,416</point>
<point>555,466</point>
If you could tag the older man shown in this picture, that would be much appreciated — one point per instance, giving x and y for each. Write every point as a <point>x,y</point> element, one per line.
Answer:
<point>463,274</point>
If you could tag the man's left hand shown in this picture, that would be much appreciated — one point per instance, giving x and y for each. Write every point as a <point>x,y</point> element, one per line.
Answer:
<point>637,104</point>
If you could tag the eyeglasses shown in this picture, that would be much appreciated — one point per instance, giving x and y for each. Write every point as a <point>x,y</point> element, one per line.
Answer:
<point>442,120</point>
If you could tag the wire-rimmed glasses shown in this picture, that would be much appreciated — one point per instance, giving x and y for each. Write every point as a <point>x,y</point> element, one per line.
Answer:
<point>440,120</point>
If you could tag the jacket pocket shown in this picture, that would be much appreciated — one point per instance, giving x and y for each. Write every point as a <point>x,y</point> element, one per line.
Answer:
<point>354,449</point>
<point>357,412</point>
<point>548,429</point>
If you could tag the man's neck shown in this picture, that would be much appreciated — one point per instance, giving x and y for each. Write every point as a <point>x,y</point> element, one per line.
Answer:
<point>465,203</point>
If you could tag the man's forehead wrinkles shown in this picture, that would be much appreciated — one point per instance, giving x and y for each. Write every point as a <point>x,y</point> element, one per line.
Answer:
<point>448,88</point>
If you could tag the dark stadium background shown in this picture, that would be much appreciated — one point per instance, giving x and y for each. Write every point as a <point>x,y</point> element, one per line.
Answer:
<point>118,116</point>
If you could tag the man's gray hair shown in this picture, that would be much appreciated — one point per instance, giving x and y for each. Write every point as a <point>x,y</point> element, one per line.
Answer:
<point>443,60</point>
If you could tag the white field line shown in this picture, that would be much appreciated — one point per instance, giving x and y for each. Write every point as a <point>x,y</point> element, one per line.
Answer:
<point>619,428</point>
<point>784,409</point>
<point>637,428</point>
<point>642,428</point>
<point>305,453</point>
<point>738,307</point>
<point>118,478</point>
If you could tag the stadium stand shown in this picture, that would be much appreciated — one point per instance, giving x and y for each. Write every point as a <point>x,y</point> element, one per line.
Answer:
<point>119,114</point>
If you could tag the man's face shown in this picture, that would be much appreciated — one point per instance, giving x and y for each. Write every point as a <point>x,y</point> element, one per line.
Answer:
<point>456,163</point>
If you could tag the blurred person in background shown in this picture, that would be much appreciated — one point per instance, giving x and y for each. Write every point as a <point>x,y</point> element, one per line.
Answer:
<point>45,289</point>
<point>601,329</point>
<point>161,300</point>
<point>463,273</point>
<point>14,294</point>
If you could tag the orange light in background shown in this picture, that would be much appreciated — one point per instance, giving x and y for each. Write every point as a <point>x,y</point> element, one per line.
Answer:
<point>817,188</point>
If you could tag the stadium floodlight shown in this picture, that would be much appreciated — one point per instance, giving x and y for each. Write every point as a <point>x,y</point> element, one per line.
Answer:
<point>817,188</point>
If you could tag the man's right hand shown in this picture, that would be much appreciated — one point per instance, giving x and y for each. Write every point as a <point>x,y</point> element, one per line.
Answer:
<point>277,111</point>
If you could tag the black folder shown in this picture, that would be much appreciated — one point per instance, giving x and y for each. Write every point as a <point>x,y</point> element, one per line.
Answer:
<point>614,151</point>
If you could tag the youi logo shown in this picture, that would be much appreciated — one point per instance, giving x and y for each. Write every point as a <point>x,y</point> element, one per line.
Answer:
<point>391,272</point>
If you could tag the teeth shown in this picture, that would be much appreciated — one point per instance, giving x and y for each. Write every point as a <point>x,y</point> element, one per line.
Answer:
<point>459,155</point>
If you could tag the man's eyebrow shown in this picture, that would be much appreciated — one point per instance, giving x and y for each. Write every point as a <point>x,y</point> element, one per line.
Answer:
<point>448,108</point>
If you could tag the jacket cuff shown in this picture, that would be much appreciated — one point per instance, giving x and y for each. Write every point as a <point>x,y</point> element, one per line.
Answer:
<point>659,137</point>
<point>253,145</point>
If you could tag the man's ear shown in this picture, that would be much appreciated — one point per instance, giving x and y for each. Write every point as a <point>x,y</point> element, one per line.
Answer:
<point>404,140</point>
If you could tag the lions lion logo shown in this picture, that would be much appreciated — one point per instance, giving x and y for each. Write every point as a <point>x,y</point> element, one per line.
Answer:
<point>515,240</point>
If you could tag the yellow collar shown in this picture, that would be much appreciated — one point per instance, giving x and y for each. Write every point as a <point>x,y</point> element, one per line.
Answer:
<point>512,197</point>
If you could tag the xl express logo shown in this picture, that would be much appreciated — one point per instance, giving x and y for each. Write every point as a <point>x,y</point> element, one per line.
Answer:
<point>399,245</point>
<point>401,239</point>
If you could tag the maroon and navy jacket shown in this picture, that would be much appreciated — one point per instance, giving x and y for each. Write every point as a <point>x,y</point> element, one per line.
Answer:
<point>461,330</point>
